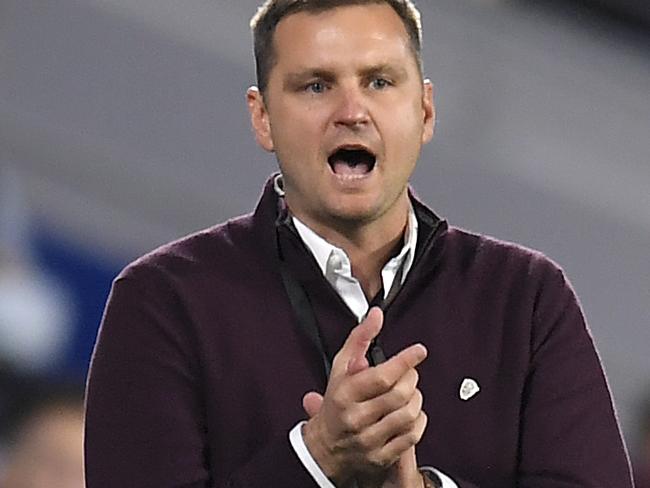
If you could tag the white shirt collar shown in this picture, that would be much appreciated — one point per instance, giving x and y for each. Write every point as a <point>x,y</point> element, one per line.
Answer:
<point>322,249</point>
<point>336,267</point>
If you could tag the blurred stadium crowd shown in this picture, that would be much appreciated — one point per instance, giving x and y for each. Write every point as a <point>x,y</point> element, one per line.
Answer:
<point>41,377</point>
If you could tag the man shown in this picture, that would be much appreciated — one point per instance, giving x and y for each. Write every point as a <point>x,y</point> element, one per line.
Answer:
<point>208,344</point>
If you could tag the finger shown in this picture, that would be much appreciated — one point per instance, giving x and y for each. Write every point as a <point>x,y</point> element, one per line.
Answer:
<point>403,419</point>
<point>394,424</point>
<point>397,397</point>
<point>376,381</point>
<point>391,452</point>
<point>408,358</point>
<point>405,468</point>
<point>356,365</point>
<point>361,415</point>
<point>370,410</point>
<point>359,363</point>
<point>403,473</point>
<point>358,341</point>
<point>312,403</point>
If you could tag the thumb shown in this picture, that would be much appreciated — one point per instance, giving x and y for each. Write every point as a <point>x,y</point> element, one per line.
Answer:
<point>312,402</point>
<point>351,357</point>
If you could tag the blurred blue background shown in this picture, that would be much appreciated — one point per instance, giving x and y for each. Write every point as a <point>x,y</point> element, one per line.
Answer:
<point>123,126</point>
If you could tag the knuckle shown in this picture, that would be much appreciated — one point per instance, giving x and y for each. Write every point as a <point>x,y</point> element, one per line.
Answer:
<point>342,397</point>
<point>406,418</point>
<point>402,397</point>
<point>407,421</point>
<point>371,458</point>
<point>419,398</point>
<point>349,421</point>
<point>424,420</point>
<point>413,377</point>
<point>339,401</point>
<point>402,363</point>
<point>419,426</point>
<point>399,394</point>
<point>412,415</point>
<point>364,443</point>
<point>382,383</point>
<point>378,460</point>
<point>414,437</point>
<point>416,401</point>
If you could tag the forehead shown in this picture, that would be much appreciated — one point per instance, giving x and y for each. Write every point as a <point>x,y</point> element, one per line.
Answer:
<point>357,33</point>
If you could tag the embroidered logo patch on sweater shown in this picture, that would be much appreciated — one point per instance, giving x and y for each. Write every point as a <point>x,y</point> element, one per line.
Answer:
<point>468,388</point>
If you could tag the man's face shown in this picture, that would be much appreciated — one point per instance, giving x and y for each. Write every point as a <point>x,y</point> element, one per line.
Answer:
<point>346,113</point>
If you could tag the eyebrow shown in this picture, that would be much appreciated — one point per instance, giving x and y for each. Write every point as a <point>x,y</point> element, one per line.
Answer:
<point>297,78</point>
<point>387,68</point>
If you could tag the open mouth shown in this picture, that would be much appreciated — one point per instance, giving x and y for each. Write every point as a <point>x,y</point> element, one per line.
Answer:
<point>352,161</point>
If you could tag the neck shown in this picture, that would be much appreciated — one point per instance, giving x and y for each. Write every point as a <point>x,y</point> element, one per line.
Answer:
<point>369,245</point>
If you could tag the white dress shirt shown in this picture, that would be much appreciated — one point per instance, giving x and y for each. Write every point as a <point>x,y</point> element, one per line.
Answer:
<point>336,266</point>
<point>337,269</point>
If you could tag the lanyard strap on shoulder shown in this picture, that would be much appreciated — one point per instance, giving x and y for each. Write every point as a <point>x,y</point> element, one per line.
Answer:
<point>306,319</point>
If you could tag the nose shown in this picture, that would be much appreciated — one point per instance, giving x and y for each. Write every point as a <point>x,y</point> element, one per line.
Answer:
<point>351,110</point>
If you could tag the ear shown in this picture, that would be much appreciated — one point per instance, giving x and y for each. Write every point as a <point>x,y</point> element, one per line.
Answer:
<point>259,118</point>
<point>428,111</point>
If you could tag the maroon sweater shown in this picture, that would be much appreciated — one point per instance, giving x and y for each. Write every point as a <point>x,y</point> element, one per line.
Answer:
<point>199,368</point>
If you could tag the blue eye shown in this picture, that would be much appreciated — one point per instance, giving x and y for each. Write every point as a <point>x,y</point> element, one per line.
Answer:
<point>380,83</point>
<point>316,87</point>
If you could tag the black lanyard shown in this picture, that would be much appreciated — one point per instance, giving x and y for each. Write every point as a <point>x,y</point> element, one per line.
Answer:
<point>306,319</point>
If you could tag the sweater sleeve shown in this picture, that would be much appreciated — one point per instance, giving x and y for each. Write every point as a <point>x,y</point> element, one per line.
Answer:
<point>569,433</point>
<point>145,419</point>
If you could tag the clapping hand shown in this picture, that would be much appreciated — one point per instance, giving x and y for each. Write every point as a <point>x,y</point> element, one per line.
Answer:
<point>366,425</point>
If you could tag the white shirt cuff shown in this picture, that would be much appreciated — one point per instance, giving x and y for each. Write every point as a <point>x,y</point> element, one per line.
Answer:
<point>298,444</point>
<point>446,481</point>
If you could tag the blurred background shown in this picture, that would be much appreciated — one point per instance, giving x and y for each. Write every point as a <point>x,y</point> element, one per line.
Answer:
<point>123,126</point>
